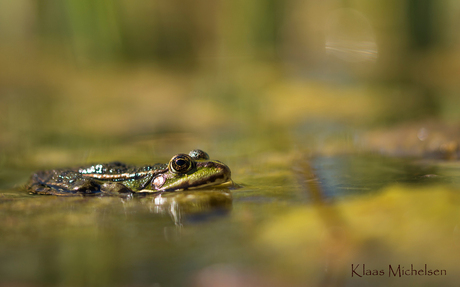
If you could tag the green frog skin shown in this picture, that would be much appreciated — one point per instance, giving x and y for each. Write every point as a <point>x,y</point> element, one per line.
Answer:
<point>184,171</point>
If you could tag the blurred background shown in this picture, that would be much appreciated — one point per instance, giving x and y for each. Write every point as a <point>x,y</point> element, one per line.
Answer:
<point>78,71</point>
<point>264,86</point>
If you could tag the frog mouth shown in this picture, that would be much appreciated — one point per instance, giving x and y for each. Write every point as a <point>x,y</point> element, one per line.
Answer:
<point>209,173</point>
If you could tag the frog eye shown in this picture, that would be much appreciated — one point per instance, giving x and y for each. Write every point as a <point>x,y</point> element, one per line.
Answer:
<point>198,154</point>
<point>181,163</point>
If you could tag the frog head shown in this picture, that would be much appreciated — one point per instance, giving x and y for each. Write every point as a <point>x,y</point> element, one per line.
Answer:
<point>191,171</point>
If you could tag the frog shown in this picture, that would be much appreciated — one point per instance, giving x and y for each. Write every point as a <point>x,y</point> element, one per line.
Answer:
<point>183,172</point>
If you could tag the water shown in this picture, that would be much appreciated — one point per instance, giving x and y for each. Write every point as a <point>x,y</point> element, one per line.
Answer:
<point>311,203</point>
<point>295,222</point>
<point>279,92</point>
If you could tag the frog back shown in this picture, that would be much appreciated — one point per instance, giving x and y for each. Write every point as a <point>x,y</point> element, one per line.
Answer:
<point>92,178</point>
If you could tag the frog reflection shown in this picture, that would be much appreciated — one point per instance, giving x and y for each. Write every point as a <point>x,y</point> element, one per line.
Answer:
<point>190,205</point>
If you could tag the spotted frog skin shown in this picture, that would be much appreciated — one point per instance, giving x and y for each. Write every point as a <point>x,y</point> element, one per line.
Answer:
<point>184,171</point>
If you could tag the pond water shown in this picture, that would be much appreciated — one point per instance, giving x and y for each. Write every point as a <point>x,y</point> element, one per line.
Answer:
<point>296,220</point>
<point>338,119</point>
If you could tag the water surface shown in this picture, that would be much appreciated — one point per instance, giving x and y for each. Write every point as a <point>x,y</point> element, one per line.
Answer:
<point>302,220</point>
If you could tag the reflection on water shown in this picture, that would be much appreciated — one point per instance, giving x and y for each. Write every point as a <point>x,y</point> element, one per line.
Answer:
<point>95,81</point>
<point>99,241</point>
<point>368,174</point>
<point>295,221</point>
<point>190,205</point>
